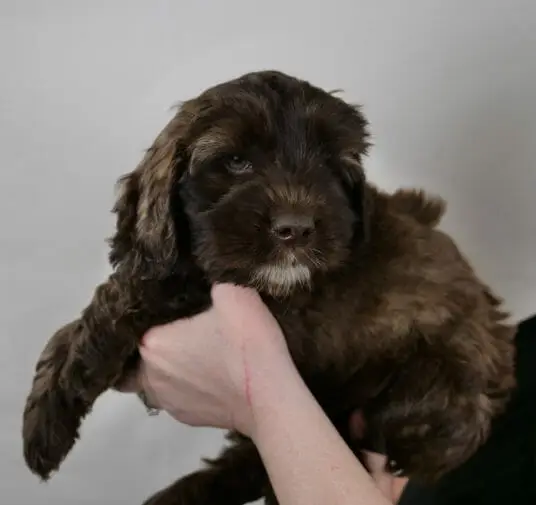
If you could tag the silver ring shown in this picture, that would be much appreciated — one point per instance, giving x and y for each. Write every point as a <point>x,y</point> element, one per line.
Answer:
<point>152,411</point>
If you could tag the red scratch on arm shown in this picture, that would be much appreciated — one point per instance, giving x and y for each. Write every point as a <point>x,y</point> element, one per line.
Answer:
<point>247,376</point>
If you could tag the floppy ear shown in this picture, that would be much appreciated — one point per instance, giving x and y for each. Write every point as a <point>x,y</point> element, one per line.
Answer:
<point>147,240</point>
<point>359,195</point>
<point>358,191</point>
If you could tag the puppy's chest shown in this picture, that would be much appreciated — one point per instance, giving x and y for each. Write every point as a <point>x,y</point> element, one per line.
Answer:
<point>340,331</point>
<point>335,336</point>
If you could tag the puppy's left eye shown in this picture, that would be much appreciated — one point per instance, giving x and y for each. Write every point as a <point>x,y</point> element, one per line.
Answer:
<point>238,165</point>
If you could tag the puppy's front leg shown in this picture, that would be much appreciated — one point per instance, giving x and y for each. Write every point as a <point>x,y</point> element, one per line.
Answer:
<point>237,476</point>
<point>52,415</point>
<point>81,361</point>
<point>121,312</point>
<point>113,323</point>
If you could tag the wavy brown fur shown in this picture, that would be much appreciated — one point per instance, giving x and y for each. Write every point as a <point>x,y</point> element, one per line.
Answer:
<point>392,318</point>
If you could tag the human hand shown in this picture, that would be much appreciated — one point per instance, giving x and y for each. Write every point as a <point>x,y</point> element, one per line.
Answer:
<point>203,370</point>
<point>391,486</point>
<point>224,366</point>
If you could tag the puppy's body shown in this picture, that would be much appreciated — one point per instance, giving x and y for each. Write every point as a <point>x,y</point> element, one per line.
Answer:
<point>259,181</point>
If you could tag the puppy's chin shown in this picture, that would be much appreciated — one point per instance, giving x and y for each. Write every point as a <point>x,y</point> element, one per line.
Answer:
<point>280,279</point>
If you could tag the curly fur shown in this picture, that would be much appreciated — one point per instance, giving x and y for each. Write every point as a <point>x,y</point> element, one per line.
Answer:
<point>380,309</point>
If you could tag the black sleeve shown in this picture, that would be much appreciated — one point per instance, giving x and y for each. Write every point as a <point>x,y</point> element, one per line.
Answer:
<point>504,469</point>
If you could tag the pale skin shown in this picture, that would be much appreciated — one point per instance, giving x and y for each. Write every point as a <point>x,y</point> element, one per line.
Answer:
<point>230,368</point>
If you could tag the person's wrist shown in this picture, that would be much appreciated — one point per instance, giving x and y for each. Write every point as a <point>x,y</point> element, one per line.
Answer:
<point>270,385</point>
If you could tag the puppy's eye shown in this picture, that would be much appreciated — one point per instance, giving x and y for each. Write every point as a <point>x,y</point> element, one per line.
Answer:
<point>238,165</point>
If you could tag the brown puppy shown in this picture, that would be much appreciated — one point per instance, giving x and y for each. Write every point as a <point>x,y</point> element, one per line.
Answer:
<point>259,181</point>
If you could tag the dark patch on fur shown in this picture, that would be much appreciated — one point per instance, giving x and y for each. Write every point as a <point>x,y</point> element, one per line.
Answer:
<point>392,319</point>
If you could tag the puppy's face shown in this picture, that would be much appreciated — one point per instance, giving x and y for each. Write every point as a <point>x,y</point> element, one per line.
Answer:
<point>272,183</point>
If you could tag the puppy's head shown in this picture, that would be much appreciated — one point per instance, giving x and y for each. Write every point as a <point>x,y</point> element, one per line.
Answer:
<point>259,179</point>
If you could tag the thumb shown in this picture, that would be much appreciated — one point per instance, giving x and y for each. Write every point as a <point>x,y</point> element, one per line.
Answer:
<point>241,307</point>
<point>233,295</point>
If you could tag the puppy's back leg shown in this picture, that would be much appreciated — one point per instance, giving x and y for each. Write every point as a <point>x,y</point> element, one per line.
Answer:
<point>439,409</point>
<point>236,477</point>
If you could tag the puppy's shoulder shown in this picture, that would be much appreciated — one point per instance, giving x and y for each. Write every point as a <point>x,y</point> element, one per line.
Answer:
<point>413,216</point>
<point>424,265</point>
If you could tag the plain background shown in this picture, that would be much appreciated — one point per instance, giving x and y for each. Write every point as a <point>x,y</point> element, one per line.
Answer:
<point>449,87</point>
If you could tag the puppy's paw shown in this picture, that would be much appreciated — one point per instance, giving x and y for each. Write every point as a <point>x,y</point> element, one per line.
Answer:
<point>49,431</point>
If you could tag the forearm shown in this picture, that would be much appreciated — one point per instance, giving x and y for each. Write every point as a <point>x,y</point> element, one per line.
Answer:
<point>307,461</point>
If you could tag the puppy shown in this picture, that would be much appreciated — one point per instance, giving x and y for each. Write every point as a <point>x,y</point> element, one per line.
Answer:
<point>259,181</point>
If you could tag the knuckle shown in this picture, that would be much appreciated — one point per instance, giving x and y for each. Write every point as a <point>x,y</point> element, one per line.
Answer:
<point>151,338</point>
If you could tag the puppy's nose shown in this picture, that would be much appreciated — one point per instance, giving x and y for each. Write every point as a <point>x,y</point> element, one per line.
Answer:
<point>291,228</point>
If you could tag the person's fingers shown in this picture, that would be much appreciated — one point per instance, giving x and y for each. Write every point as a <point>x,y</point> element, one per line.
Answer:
<point>397,487</point>
<point>155,337</point>
<point>138,383</point>
<point>357,425</point>
<point>376,465</point>
<point>149,397</point>
<point>390,486</point>
<point>130,384</point>
<point>375,462</point>
<point>158,338</point>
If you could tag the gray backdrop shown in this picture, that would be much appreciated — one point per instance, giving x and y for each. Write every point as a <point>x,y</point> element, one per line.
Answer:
<point>449,87</point>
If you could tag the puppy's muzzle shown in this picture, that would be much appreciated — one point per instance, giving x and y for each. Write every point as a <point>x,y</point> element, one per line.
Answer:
<point>293,228</point>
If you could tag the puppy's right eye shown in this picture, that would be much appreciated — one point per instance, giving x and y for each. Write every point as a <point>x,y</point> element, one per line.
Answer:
<point>238,165</point>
